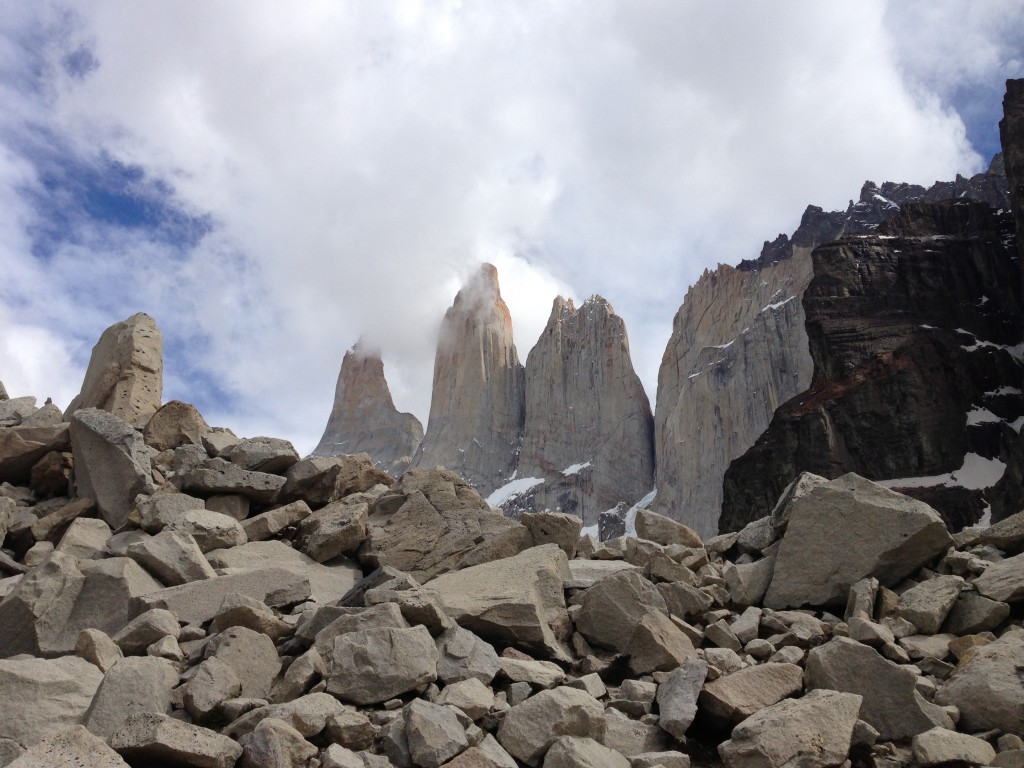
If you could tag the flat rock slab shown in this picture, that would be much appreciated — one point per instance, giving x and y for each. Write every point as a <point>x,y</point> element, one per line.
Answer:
<point>739,695</point>
<point>940,745</point>
<point>216,476</point>
<point>531,727</point>
<point>586,573</point>
<point>199,601</point>
<point>846,530</point>
<point>156,738</point>
<point>73,747</point>
<point>1003,581</point>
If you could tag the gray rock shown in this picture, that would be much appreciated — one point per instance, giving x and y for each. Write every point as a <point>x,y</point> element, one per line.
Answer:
<point>1003,581</point>
<point>657,645</point>
<point>112,463</point>
<point>940,745</point>
<point>130,686</point>
<point>359,620</point>
<point>845,530</point>
<point>554,528</point>
<point>319,480</point>
<point>155,512</point>
<point>251,655</point>
<point>173,557</point>
<point>158,738</point>
<point>145,629</point>
<point>42,697</point>
<point>199,601</point>
<point>309,715</point>
<point>23,446</point>
<point>300,676</point>
<point>96,647</point>
<point>375,665</point>
<point>531,727</point>
<point>73,747</point>
<point>215,476</point>
<point>891,702</point>
<point>463,656</point>
<point>125,373</point>
<point>813,731</point>
<point>487,754</point>
<point>213,683</point>
<point>432,522</point>
<point>582,752</point>
<point>241,611</point>
<point>85,538</point>
<point>677,696</point>
<point>927,604</point>
<point>338,528</point>
<point>211,530</point>
<point>263,454</point>
<point>586,573</point>
<point>614,606</point>
<point>687,602</point>
<point>471,696</point>
<point>663,530</point>
<point>433,733</point>
<point>737,696</point>
<point>33,616</point>
<point>265,525</point>
<point>275,743</point>
<point>748,582</point>
<point>987,688</point>
<point>515,600</point>
<point>539,674</point>
<point>973,613</point>
<point>351,729</point>
<point>632,737</point>
<point>174,425</point>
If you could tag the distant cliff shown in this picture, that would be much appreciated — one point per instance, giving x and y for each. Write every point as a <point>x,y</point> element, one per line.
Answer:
<point>364,418</point>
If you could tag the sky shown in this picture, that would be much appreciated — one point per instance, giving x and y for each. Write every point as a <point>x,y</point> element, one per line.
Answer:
<point>272,181</point>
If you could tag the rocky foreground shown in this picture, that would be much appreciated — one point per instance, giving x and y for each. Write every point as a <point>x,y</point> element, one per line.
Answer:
<point>178,596</point>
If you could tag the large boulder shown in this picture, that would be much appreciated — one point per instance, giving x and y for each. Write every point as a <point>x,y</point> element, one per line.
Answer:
<point>112,463</point>
<point>531,727</point>
<point>41,697</point>
<point>216,476</point>
<point>374,665</point>
<point>678,695</point>
<point>125,373</point>
<point>813,731</point>
<point>432,522</point>
<point>739,695</point>
<point>174,425</point>
<point>320,480</point>
<point>154,739</point>
<point>1003,581</point>
<point>614,606</point>
<point>987,688</point>
<point>23,445</point>
<point>848,529</point>
<point>73,747</point>
<point>134,684</point>
<point>891,702</point>
<point>518,600</point>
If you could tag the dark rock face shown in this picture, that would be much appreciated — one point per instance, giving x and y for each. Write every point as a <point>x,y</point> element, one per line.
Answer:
<point>364,418</point>
<point>589,432</point>
<point>477,406</point>
<point>915,333</point>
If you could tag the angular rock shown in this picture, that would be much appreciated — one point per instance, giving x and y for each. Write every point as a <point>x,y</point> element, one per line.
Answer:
<point>309,715</point>
<point>940,745</point>
<point>973,613</point>
<point>251,655</point>
<point>85,538</point>
<point>987,688</point>
<point>739,695</point>
<point>338,528</point>
<point>631,737</point>
<point>300,676</point>
<point>51,527</point>
<point>351,729</point>
<point>553,528</point>
<point>130,686</point>
<point>464,656</point>
<point>174,425</point>
<point>664,530</point>
<point>477,407</point>
<point>145,629</point>
<point>432,522</point>
<point>199,601</point>
<point>891,702</point>
<point>375,665</point>
<point>927,604</point>
<point>813,731</point>
<point>215,476</point>
<point>274,742</point>
<point>614,606</point>
<point>158,738</point>
<point>34,614</point>
<point>72,747</point>
<point>582,752</point>
<point>514,600</point>
<point>539,674</point>
<point>263,454</point>
<point>97,648</point>
<point>364,418</point>
<point>1003,581</point>
<point>241,611</point>
<point>433,733</point>
<point>154,513</point>
<point>125,373</point>
<point>172,557</point>
<point>21,447</point>
<point>531,727</point>
<point>112,463</point>
<point>677,696</point>
<point>210,530</point>
<point>213,683</point>
<point>318,480</point>
<point>52,474</point>
<point>42,697</point>
<point>385,615</point>
<point>657,645</point>
<point>846,530</point>
<point>265,525</point>
<point>471,696</point>
<point>487,754</point>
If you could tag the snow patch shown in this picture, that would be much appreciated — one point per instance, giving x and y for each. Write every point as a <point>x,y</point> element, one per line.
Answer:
<point>644,503</point>
<point>976,474</point>
<point>1016,351</point>
<point>1004,391</point>
<point>979,415</point>
<point>1016,424</point>
<point>512,489</point>
<point>776,305</point>
<point>575,468</point>
<point>722,346</point>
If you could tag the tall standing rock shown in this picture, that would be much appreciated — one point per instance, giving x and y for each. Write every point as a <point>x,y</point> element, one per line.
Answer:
<point>125,373</point>
<point>364,418</point>
<point>589,432</point>
<point>477,406</point>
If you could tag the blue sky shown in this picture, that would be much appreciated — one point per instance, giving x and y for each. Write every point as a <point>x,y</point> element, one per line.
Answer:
<point>272,182</point>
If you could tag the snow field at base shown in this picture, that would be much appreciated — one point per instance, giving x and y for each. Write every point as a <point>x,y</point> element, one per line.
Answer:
<point>976,474</point>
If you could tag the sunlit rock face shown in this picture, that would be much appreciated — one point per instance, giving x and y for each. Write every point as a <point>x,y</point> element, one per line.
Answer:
<point>364,418</point>
<point>589,432</point>
<point>477,406</point>
<point>739,346</point>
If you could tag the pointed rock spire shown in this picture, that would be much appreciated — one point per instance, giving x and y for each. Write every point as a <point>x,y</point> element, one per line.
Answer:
<point>364,418</point>
<point>589,431</point>
<point>476,409</point>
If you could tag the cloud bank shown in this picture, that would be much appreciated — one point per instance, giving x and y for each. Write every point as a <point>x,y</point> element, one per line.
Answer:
<point>272,182</point>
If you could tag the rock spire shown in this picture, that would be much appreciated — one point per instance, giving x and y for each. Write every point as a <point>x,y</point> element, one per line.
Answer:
<point>477,405</point>
<point>364,418</point>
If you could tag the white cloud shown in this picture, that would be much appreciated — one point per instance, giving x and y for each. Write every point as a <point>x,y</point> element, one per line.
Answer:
<point>358,160</point>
